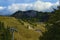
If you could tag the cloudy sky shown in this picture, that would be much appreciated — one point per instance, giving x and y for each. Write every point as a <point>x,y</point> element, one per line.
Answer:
<point>11,6</point>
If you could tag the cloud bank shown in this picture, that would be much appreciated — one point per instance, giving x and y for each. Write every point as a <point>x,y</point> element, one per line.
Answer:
<point>38,6</point>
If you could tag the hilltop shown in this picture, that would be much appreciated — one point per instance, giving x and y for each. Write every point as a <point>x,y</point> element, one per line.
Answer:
<point>32,15</point>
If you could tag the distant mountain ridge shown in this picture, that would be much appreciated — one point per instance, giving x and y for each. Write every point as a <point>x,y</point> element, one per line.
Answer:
<point>31,14</point>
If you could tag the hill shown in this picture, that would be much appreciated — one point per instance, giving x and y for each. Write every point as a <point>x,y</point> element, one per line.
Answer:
<point>26,31</point>
<point>32,15</point>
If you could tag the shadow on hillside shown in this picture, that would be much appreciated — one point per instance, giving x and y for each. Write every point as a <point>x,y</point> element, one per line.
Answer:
<point>53,32</point>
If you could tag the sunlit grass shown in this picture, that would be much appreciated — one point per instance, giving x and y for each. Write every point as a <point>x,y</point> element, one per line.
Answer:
<point>23,32</point>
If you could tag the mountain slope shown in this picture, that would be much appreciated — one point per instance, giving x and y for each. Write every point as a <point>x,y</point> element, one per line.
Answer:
<point>23,32</point>
<point>31,15</point>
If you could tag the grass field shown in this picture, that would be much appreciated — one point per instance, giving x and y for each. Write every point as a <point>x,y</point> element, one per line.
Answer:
<point>23,33</point>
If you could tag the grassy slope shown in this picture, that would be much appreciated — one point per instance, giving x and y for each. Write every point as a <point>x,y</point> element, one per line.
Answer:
<point>23,33</point>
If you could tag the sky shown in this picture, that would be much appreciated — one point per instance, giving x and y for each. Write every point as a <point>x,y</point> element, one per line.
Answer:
<point>11,6</point>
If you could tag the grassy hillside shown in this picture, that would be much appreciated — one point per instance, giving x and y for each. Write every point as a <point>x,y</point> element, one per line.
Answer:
<point>24,33</point>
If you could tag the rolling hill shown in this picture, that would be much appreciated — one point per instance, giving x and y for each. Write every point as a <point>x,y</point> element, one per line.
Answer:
<point>26,31</point>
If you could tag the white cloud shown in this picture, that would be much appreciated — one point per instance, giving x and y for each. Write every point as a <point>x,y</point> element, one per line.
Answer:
<point>38,6</point>
<point>45,6</point>
<point>42,6</point>
<point>15,7</point>
<point>55,5</point>
<point>1,8</point>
